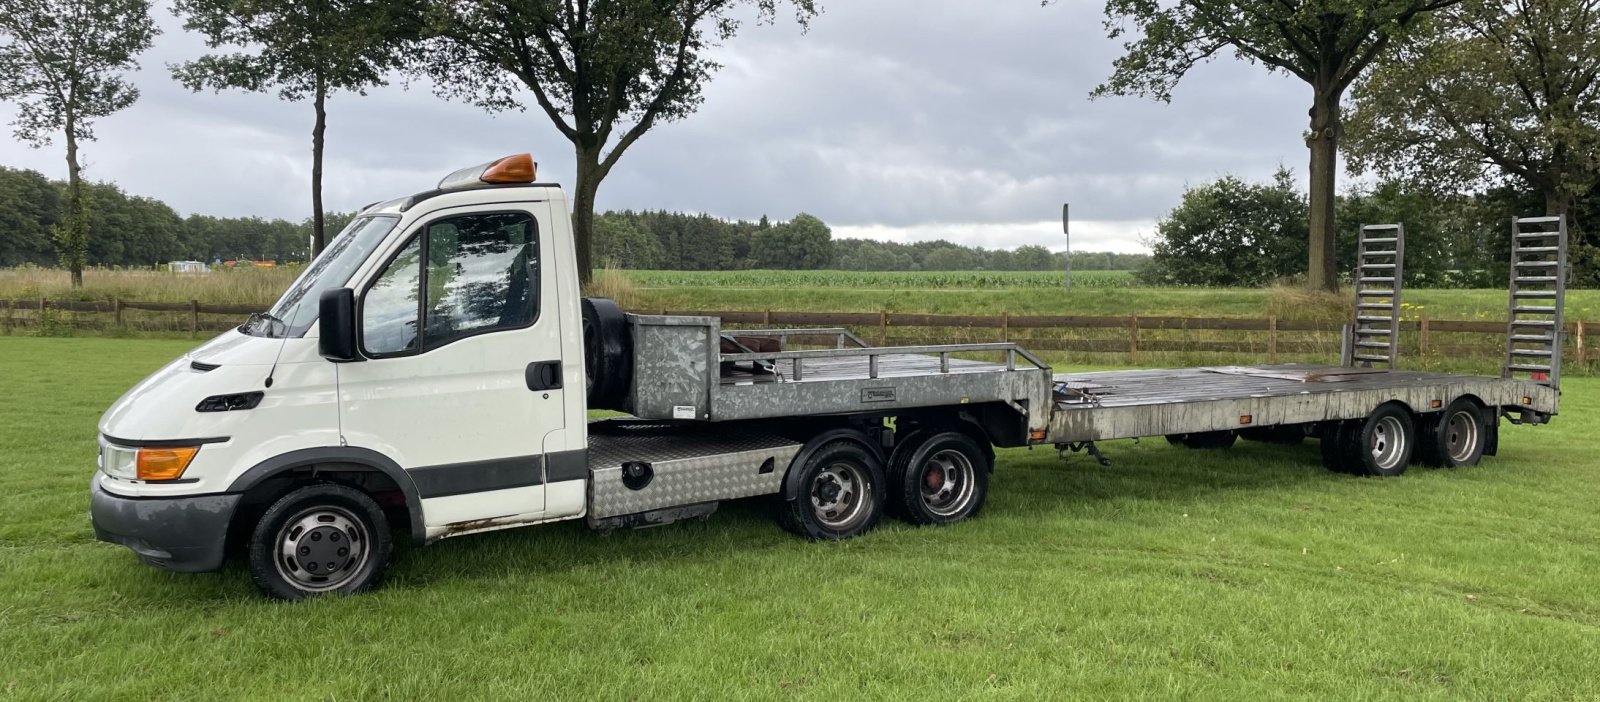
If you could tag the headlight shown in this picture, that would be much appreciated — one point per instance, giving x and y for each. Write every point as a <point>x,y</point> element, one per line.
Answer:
<point>166,463</point>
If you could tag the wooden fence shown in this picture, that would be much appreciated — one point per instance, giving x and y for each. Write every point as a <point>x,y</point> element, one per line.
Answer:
<point>1131,335</point>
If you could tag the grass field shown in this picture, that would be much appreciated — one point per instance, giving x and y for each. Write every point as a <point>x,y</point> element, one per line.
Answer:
<point>1245,574</point>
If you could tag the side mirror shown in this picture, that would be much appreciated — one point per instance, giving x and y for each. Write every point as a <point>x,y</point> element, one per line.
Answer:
<point>336,325</point>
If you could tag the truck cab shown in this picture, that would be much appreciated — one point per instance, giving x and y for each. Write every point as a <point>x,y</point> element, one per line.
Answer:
<point>451,402</point>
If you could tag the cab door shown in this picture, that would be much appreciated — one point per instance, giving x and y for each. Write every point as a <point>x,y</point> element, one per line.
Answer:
<point>462,380</point>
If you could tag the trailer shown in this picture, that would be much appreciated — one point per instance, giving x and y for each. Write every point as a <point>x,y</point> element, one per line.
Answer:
<point>432,375</point>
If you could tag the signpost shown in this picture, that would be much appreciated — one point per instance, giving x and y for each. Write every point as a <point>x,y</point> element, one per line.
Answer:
<point>1068,234</point>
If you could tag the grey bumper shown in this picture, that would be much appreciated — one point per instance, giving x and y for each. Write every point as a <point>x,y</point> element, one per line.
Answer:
<point>187,534</point>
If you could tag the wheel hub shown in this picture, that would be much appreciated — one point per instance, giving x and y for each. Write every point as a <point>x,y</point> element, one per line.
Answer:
<point>321,548</point>
<point>934,479</point>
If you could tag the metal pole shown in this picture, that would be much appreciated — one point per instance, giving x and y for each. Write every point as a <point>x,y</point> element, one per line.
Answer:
<point>1065,231</point>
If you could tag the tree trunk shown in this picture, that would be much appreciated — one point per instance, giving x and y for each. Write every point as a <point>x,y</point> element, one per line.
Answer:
<point>583,210</point>
<point>74,242</point>
<point>1322,270</point>
<point>318,241</point>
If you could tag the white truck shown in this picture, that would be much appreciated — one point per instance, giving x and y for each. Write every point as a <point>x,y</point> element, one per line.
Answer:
<point>431,374</point>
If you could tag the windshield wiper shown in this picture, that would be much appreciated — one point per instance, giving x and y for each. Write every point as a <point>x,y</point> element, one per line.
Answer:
<point>250,322</point>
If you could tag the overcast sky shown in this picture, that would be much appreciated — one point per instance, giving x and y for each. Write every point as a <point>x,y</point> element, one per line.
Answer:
<point>892,119</point>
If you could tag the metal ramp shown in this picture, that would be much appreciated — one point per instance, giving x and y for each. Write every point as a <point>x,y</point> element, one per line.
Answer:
<point>1374,335</point>
<point>1538,293</point>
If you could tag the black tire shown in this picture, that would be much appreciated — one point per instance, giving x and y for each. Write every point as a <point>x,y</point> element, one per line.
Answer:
<point>942,479</point>
<point>1287,434</point>
<point>1335,441</point>
<point>1383,444</point>
<point>905,442</point>
<point>322,527</point>
<point>1204,439</point>
<point>1454,438</point>
<point>838,493</point>
<point>607,353</point>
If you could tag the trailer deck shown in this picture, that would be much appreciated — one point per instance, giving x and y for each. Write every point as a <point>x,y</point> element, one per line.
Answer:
<point>1126,404</point>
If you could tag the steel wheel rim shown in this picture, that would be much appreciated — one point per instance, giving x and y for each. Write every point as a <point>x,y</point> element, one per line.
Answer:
<point>840,494</point>
<point>1388,442</point>
<point>1461,436</point>
<point>946,483</point>
<point>321,548</point>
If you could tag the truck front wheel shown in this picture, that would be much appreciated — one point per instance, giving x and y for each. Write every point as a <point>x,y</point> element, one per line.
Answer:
<point>940,480</point>
<point>319,539</point>
<point>837,495</point>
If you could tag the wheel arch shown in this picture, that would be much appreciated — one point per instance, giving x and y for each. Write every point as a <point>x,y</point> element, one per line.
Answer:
<point>851,434</point>
<point>346,465</point>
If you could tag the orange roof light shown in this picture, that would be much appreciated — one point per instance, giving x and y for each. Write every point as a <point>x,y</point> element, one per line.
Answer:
<point>517,168</point>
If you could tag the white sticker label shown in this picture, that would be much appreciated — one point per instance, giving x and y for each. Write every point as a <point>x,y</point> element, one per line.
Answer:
<point>683,412</point>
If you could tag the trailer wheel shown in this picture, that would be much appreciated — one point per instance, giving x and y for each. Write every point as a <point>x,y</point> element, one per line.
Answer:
<point>319,539</point>
<point>1335,439</point>
<point>941,480</point>
<point>607,353</point>
<point>1383,444</point>
<point>1453,438</point>
<point>838,493</point>
<point>1204,439</point>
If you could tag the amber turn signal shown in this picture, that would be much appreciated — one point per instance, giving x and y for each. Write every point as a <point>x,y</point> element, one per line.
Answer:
<point>164,463</point>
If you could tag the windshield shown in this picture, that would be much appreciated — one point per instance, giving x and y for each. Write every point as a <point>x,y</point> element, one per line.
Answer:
<point>293,313</point>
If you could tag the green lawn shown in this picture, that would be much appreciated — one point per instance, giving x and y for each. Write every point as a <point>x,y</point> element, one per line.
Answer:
<point>1235,575</point>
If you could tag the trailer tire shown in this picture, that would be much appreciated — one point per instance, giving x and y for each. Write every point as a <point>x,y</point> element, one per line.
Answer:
<point>837,494</point>
<point>1383,444</point>
<point>942,479</point>
<point>316,530</point>
<point>1454,438</point>
<point>1204,439</point>
<point>1334,439</point>
<point>607,353</point>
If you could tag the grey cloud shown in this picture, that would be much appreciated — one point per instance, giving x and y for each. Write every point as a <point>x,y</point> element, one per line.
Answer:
<point>908,114</point>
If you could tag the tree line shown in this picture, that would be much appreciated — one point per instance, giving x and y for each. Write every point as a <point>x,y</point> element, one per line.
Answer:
<point>1231,232</point>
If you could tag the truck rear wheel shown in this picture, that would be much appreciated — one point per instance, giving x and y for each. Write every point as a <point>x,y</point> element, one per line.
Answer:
<point>837,494</point>
<point>319,539</point>
<point>941,479</point>
<point>1335,439</point>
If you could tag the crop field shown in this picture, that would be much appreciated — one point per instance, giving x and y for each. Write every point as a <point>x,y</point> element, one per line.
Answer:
<point>1242,574</point>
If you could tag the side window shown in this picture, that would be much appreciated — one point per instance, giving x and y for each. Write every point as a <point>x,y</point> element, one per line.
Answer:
<point>473,274</point>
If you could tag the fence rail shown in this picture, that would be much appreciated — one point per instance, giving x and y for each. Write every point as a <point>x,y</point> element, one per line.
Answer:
<point>1130,334</point>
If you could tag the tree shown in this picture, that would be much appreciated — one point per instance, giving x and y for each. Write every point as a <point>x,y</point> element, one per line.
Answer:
<point>950,258</point>
<point>1326,43</point>
<point>619,242</point>
<point>803,243</point>
<point>61,63</point>
<point>1492,90</point>
<point>1033,257</point>
<point>603,71</point>
<point>304,49</point>
<point>1230,233</point>
<point>30,207</point>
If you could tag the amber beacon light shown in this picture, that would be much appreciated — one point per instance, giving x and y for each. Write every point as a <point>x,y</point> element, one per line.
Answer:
<point>514,169</point>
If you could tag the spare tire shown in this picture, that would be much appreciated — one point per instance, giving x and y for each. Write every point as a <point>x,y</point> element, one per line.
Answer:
<point>607,354</point>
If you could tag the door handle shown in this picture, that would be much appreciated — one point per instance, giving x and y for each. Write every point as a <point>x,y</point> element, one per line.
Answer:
<point>543,375</point>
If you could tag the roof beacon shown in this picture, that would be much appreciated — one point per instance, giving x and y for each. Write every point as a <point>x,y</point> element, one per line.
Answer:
<point>518,168</point>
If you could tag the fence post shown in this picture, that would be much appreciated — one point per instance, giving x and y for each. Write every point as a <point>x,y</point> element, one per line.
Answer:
<point>1005,326</point>
<point>116,307</point>
<point>9,306</point>
<point>1272,339</point>
<point>194,317</point>
<point>1578,340</point>
<point>883,327</point>
<point>766,318</point>
<point>1422,339</point>
<point>1133,339</point>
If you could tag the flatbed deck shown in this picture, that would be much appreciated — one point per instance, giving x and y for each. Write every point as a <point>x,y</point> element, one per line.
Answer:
<point>1126,404</point>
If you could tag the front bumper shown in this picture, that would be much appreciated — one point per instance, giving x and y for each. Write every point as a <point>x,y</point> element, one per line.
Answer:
<point>187,534</point>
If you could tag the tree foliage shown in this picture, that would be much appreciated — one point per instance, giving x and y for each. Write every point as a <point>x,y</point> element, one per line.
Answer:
<point>1492,90</point>
<point>1325,43</point>
<point>1231,233</point>
<point>603,71</point>
<point>61,63</point>
<point>301,49</point>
